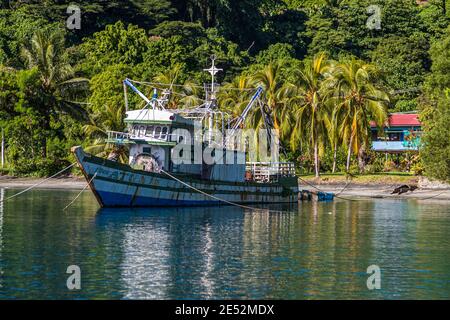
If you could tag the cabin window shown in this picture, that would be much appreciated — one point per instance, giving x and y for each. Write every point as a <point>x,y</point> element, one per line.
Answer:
<point>147,150</point>
<point>141,131</point>
<point>157,132</point>
<point>149,132</point>
<point>164,133</point>
<point>135,130</point>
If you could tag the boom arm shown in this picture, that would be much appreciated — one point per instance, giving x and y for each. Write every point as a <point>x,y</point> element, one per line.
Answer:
<point>128,83</point>
<point>247,109</point>
<point>244,114</point>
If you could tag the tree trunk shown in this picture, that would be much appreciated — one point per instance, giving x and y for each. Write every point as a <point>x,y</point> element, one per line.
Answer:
<point>361,160</point>
<point>46,127</point>
<point>349,154</point>
<point>334,157</point>
<point>316,159</point>
<point>44,147</point>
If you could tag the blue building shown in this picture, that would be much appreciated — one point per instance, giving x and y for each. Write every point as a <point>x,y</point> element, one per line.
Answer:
<point>400,135</point>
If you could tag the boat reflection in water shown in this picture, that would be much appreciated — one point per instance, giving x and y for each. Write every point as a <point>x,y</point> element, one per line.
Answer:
<point>229,252</point>
<point>315,250</point>
<point>184,252</point>
<point>310,251</point>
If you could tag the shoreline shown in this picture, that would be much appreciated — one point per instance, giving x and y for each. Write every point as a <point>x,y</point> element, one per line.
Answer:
<point>65,183</point>
<point>365,191</point>
<point>351,191</point>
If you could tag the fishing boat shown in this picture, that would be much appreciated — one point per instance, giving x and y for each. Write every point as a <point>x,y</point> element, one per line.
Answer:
<point>166,157</point>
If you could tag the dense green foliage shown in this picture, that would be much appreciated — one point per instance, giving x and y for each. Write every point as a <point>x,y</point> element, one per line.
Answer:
<point>44,67</point>
<point>436,112</point>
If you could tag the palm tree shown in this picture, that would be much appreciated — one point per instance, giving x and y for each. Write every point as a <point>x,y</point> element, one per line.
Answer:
<point>332,122</point>
<point>334,3</point>
<point>110,118</point>
<point>183,93</point>
<point>190,95</point>
<point>310,109</point>
<point>277,91</point>
<point>361,101</point>
<point>234,96</point>
<point>58,84</point>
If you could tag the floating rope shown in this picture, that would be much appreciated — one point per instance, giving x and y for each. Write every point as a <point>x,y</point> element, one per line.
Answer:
<point>214,197</point>
<point>79,194</point>
<point>38,184</point>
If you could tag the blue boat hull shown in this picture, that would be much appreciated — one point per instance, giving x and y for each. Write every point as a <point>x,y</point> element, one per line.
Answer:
<point>111,199</point>
<point>118,185</point>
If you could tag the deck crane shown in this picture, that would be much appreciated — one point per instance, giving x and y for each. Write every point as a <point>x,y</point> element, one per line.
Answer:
<point>155,103</point>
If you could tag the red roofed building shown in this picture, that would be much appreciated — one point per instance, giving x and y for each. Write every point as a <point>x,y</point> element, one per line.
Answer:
<point>402,120</point>
<point>400,134</point>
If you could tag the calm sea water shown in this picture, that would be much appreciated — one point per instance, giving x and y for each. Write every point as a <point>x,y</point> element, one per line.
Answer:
<point>313,251</point>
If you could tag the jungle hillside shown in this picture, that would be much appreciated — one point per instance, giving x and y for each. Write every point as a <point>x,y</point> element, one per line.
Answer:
<point>328,68</point>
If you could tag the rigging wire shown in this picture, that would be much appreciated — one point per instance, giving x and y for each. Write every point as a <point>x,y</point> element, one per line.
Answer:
<point>148,84</point>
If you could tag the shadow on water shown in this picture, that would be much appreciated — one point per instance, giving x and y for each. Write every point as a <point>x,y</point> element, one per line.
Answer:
<point>310,251</point>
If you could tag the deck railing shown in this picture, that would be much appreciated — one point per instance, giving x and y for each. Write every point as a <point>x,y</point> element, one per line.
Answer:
<point>119,137</point>
<point>269,171</point>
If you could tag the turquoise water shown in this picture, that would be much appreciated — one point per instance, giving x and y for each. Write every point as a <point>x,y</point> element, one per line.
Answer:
<point>313,251</point>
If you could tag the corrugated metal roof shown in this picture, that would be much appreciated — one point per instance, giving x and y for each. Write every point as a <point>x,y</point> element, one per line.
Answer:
<point>401,120</point>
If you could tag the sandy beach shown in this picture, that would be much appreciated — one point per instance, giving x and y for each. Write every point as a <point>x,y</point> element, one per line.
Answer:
<point>67,183</point>
<point>379,192</point>
<point>342,190</point>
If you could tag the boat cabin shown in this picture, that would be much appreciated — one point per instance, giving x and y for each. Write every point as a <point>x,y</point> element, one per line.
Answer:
<point>172,140</point>
<point>152,135</point>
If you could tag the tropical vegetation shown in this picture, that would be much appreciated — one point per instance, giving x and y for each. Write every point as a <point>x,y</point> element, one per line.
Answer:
<point>325,71</point>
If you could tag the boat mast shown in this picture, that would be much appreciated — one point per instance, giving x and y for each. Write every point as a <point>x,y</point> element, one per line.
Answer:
<point>211,97</point>
<point>213,71</point>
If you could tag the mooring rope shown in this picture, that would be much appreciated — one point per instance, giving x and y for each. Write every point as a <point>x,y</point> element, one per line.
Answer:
<point>337,196</point>
<point>38,184</point>
<point>79,194</point>
<point>432,197</point>
<point>345,187</point>
<point>371,197</point>
<point>214,197</point>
